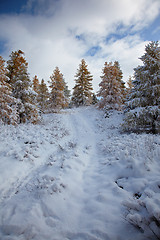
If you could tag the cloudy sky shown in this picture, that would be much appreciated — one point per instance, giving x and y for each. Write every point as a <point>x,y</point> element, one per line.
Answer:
<point>62,32</point>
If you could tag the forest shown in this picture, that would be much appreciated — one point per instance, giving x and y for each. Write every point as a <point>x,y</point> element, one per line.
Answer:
<point>24,100</point>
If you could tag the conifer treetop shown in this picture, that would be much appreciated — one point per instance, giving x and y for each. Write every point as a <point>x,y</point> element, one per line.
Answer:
<point>36,84</point>
<point>111,87</point>
<point>20,82</point>
<point>17,73</point>
<point>57,95</point>
<point>82,90</point>
<point>57,80</point>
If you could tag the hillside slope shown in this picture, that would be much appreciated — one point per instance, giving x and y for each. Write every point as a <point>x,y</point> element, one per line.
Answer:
<point>75,177</point>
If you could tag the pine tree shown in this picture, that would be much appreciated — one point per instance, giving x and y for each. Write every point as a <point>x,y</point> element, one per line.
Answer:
<point>129,93</point>
<point>144,102</point>
<point>82,90</point>
<point>43,96</point>
<point>110,90</point>
<point>35,84</point>
<point>8,113</point>
<point>129,85</point>
<point>20,82</point>
<point>94,99</point>
<point>57,98</point>
<point>67,94</point>
<point>119,78</point>
<point>35,87</point>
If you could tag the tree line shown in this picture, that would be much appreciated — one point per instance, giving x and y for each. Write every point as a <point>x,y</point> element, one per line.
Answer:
<point>23,100</point>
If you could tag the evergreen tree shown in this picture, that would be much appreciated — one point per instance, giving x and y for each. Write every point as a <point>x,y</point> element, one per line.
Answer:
<point>57,98</point>
<point>110,90</point>
<point>129,85</point>
<point>129,91</point>
<point>35,84</point>
<point>144,102</point>
<point>8,112</point>
<point>67,93</point>
<point>35,87</point>
<point>94,99</point>
<point>21,87</point>
<point>119,78</point>
<point>43,96</point>
<point>82,90</point>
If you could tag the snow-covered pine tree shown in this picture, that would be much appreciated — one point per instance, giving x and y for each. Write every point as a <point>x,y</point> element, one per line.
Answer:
<point>8,111</point>
<point>120,80</point>
<point>94,99</point>
<point>67,94</point>
<point>110,91</point>
<point>35,84</point>
<point>129,85</point>
<point>19,80</point>
<point>43,96</point>
<point>82,90</point>
<point>35,87</point>
<point>144,102</point>
<point>129,91</point>
<point>57,98</point>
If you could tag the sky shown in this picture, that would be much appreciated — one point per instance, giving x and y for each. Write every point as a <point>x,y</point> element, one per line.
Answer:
<point>61,32</point>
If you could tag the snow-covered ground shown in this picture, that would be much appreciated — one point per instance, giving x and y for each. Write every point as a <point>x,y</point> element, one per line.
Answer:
<point>76,177</point>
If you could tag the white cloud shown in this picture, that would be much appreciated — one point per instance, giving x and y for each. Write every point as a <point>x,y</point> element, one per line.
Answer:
<point>48,37</point>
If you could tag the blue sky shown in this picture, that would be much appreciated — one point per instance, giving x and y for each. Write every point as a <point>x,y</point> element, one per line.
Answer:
<point>62,32</point>
<point>8,6</point>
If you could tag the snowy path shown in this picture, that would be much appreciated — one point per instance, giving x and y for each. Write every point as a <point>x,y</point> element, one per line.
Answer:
<point>66,179</point>
<point>95,193</point>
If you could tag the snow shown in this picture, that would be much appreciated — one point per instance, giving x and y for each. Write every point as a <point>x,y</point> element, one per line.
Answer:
<point>76,177</point>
